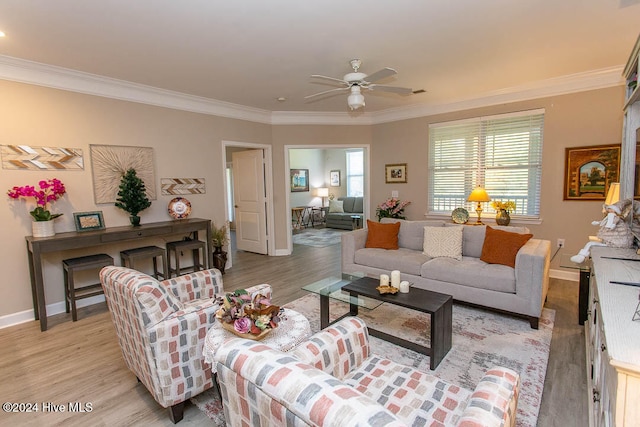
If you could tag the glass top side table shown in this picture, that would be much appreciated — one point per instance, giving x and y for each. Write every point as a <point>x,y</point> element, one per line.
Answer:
<point>585,275</point>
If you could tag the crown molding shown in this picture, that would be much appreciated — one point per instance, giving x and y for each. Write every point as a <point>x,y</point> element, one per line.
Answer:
<point>39,74</point>
<point>35,73</point>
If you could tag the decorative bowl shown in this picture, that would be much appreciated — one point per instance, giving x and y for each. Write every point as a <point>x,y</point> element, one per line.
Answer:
<point>387,290</point>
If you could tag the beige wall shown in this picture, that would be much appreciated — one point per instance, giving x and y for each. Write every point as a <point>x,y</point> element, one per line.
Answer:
<point>186,145</point>
<point>189,145</point>
<point>587,118</point>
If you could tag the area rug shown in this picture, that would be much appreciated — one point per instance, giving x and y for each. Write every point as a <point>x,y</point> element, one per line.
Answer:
<point>318,237</point>
<point>481,339</point>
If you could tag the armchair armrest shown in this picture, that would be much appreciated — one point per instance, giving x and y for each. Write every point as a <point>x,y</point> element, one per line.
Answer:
<point>175,353</point>
<point>494,400</point>
<point>338,349</point>
<point>197,285</point>
<point>254,376</point>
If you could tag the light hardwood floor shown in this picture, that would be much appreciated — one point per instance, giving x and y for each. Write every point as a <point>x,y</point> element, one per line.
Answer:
<point>81,361</point>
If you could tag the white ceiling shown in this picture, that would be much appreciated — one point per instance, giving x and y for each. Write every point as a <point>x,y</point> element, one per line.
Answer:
<point>250,52</point>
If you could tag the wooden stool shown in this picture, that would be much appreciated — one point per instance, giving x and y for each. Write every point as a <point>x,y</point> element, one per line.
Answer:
<point>129,256</point>
<point>184,245</point>
<point>70,266</point>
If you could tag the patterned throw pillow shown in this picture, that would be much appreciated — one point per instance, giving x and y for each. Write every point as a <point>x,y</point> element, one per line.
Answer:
<point>501,247</point>
<point>382,236</point>
<point>443,242</point>
<point>336,206</point>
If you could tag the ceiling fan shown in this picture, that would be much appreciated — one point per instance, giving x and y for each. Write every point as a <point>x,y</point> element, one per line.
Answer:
<point>355,82</point>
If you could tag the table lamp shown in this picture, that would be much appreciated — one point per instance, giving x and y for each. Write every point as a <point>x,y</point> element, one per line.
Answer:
<point>322,192</point>
<point>479,195</point>
<point>613,195</point>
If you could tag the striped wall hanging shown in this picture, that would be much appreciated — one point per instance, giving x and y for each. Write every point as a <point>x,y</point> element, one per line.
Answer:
<point>182,186</point>
<point>27,157</point>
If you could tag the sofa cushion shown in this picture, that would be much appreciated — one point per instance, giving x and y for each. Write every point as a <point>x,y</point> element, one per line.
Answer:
<point>501,247</point>
<point>443,242</point>
<point>336,206</point>
<point>405,260</point>
<point>473,237</point>
<point>415,397</point>
<point>471,272</point>
<point>347,203</point>
<point>411,235</point>
<point>358,205</point>
<point>383,236</point>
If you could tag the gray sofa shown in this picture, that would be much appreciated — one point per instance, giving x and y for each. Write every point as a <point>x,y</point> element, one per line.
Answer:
<point>521,290</point>
<point>351,206</point>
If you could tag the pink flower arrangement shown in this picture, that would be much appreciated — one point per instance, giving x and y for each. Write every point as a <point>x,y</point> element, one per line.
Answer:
<point>248,315</point>
<point>50,191</point>
<point>391,208</point>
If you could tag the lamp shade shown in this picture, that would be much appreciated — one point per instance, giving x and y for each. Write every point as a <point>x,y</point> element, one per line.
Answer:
<point>613,195</point>
<point>322,192</point>
<point>479,194</point>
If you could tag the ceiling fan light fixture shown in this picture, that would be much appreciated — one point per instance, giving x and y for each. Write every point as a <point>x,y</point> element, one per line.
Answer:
<point>356,99</point>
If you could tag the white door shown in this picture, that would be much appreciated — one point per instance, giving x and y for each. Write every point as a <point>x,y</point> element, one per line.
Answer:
<point>250,201</point>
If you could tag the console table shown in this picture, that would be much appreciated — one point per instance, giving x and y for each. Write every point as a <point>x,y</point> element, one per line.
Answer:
<point>36,246</point>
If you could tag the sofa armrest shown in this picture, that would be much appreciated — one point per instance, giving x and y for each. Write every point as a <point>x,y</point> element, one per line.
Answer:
<point>338,349</point>
<point>494,400</point>
<point>197,285</point>
<point>351,242</point>
<point>532,273</point>
<point>254,376</point>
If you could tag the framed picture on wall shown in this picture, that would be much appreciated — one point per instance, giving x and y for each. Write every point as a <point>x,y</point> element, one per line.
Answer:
<point>590,170</point>
<point>395,173</point>
<point>334,178</point>
<point>299,180</point>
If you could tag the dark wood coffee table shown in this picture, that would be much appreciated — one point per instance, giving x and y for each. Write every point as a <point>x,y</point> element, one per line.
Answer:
<point>438,305</point>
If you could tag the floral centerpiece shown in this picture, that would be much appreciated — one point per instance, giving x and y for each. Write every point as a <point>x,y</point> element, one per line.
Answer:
<point>50,191</point>
<point>391,208</point>
<point>247,317</point>
<point>508,206</point>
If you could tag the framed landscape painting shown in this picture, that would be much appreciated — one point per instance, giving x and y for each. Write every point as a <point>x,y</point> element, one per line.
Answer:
<point>590,170</point>
<point>299,179</point>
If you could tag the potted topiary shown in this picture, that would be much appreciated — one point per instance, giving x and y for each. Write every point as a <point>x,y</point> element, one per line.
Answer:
<point>218,240</point>
<point>132,196</point>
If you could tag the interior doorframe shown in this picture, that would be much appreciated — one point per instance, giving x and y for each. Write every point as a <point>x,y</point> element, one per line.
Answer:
<point>367,176</point>
<point>268,184</point>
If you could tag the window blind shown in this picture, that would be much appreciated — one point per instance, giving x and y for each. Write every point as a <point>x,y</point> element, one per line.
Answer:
<point>502,153</point>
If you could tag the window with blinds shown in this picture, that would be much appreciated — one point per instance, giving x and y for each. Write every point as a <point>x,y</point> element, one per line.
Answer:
<point>502,153</point>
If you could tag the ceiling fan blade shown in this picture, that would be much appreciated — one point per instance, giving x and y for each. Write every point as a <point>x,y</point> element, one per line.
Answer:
<point>380,74</point>
<point>393,89</point>
<point>333,79</point>
<point>326,91</point>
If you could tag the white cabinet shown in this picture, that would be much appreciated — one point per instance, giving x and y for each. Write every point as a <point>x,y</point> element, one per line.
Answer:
<point>631,126</point>
<point>613,340</point>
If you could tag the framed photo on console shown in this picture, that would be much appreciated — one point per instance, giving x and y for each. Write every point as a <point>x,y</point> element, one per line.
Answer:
<point>88,221</point>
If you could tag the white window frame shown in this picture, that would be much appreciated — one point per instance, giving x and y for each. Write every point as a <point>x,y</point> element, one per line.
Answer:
<point>473,147</point>
<point>350,174</point>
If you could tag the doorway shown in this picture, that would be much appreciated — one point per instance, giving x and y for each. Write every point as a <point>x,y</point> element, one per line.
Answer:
<point>327,168</point>
<point>267,215</point>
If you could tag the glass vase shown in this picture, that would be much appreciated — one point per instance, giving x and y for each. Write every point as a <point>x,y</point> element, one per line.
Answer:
<point>502,217</point>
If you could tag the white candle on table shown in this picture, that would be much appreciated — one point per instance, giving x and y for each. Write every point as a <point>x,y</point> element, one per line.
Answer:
<point>384,280</point>
<point>395,278</point>
<point>404,287</point>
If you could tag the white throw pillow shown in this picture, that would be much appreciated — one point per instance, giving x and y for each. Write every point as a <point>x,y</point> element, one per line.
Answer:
<point>336,206</point>
<point>443,242</point>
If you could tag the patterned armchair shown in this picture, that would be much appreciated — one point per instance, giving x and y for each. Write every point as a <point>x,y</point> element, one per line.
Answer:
<point>333,380</point>
<point>161,327</point>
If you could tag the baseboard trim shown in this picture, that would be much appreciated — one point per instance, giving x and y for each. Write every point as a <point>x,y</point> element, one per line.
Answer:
<point>55,308</point>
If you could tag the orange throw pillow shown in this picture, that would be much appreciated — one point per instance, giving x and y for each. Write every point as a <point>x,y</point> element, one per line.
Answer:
<point>501,247</point>
<point>383,236</point>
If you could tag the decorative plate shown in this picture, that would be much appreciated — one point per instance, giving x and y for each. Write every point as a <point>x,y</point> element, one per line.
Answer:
<point>460,215</point>
<point>179,208</point>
